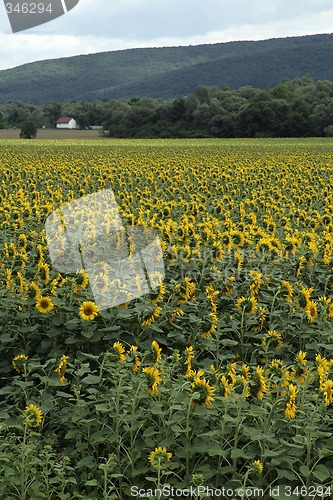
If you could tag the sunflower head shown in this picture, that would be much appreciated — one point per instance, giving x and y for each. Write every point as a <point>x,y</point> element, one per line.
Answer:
<point>311,310</point>
<point>119,350</point>
<point>247,305</point>
<point>290,409</point>
<point>189,355</point>
<point>286,291</point>
<point>257,467</point>
<point>135,358</point>
<point>44,305</point>
<point>156,349</point>
<point>19,361</point>
<point>101,283</point>
<point>33,416</point>
<point>205,392</point>
<point>61,368</point>
<point>88,310</point>
<point>153,377</point>
<point>159,458</point>
<point>273,339</point>
<point>259,382</point>
<point>81,278</point>
<point>304,297</point>
<point>328,391</point>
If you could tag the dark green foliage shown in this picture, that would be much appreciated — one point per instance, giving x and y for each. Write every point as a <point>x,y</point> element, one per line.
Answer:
<point>28,130</point>
<point>297,108</point>
<point>169,72</point>
<point>293,108</point>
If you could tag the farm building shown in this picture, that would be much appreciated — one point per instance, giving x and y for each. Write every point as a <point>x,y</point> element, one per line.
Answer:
<point>66,122</point>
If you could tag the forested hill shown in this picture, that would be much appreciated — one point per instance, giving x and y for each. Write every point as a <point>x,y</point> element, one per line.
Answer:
<point>169,72</point>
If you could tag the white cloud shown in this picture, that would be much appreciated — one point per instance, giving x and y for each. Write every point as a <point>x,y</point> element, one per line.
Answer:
<point>101,26</point>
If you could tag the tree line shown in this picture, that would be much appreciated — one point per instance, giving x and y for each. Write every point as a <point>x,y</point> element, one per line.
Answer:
<point>293,108</point>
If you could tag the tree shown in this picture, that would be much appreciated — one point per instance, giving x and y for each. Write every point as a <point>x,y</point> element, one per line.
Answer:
<point>52,111</point>
<point>28,130</point>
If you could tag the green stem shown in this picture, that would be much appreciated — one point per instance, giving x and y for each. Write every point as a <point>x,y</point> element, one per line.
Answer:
<point>159,480</point>
<point>23,464</point>
<point>238,419</point>
<point>187,443</point>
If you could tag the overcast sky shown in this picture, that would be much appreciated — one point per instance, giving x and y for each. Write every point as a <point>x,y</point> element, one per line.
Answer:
<point>102,25</point>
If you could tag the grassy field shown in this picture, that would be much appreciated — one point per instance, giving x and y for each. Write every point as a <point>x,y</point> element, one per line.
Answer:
<point>222,377</point>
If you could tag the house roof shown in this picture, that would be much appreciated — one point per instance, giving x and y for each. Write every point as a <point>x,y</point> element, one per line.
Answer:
<point>64,119</point>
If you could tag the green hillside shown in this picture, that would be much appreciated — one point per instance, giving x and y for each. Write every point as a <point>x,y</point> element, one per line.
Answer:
<point>170,72</point>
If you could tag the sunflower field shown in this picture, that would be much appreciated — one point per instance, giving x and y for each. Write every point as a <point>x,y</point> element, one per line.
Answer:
<point>217,385</point>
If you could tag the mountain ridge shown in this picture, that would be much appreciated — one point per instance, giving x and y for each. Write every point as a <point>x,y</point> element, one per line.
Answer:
<point>169,72</point>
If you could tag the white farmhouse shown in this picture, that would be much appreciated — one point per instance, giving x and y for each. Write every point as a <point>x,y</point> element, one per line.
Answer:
<point>66,122</point>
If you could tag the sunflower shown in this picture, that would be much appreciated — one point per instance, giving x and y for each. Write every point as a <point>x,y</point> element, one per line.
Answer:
<point>301,370</point>
<point>9,279</point>
<point>246,371</point>
<point>232,372</point>
<point>61,368</point>
<point>88,310</point>
<point>246,304</point>
<point>82,278</point>
<point>153,378</point>
<point>135,356</point>
<point>329,312</point>
<point>301,261</point>
<point>217,254</point>
<point>33,416</point>
<point>120,350</point>
<point>226,387</point>
<point>271,226</point>
<point>256,282</point>
<point>238,260</point>
<point>45,273</point>
<point>176,313</point>
<point>301,358</point>
<point>210,324</point>
<point>261,320</point>
<point>278,371</point>
<point>189,355</point>
<point>54,285</point>
<point>159,457</point>
<point>304,298</point>
<point>327,254</point>
<point>259,385</point>
<point>226,240</point>
<point>292,242</point>
<point>311,310</point>
<point>257,466</point>
<point>264,244</point>
<point>148,320</point>
<point>212,295</point>
<point>159,295</point>
<point>323,368</point>
<point>290,409</point>
<point>240,386</point>
<point>237,238</point>
<point>273,337</point>
<point>186,290</point>
<point>101,283</point>
<point>286,291</point>
<point>19,361</point>
<point>204,389</point>
<point>34,290</point>
<point>328,391</point>
<point>155,279</point>
<point>324,304</point>
<point>44,305</point>
<point>156,351</point>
